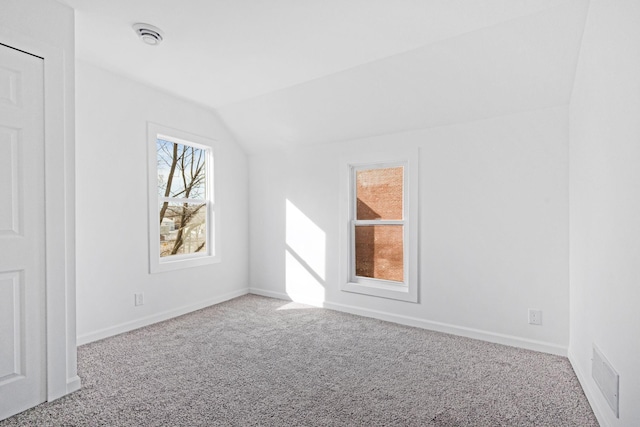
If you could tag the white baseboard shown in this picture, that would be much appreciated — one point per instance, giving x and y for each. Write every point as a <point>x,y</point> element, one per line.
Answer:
<point>73,384</point>
<point>589,391</point>
<point>493,337</point>
<point>155,318</point>
<point>282,296</point>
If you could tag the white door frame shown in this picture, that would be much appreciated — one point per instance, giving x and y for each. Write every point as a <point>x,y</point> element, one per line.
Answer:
<point>61,357</point>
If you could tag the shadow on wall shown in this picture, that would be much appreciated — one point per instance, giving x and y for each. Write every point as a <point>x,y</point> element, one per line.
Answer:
<point>305,257</point>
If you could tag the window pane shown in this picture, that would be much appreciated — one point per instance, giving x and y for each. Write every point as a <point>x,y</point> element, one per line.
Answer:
<point>181,170</point>
<point>183,228</point>
<point>379,193</point>
<point>379,252</point>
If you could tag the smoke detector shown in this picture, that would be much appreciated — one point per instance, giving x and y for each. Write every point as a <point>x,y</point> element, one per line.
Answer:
<point>148,33</point>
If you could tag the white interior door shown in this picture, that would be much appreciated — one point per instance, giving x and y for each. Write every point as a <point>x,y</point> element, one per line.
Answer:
<point>22,231</point>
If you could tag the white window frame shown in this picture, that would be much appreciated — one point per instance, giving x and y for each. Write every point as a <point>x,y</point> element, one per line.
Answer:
<point>407,290</point>
<point>212,253</point>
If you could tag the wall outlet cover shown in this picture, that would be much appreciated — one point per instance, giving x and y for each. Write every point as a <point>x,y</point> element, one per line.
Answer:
<point>535,316</point>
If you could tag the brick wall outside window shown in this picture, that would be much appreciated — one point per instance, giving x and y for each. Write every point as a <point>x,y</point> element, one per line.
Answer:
<point>379,248</point>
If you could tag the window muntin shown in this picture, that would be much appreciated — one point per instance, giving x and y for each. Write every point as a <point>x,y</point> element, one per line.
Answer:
<point>182,211</point>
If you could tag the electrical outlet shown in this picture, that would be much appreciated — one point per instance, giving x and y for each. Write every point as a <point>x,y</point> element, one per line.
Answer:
<point>139,300</point>
<point>535,317</point>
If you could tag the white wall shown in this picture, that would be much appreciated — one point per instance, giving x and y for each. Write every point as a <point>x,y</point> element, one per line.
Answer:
<point>494,228</point>
<point>605,204</point>
<point>46,28</point>
<point>113,263</point>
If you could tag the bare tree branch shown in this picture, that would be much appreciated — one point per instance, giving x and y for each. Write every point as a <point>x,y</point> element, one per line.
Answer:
<point>167,190</point>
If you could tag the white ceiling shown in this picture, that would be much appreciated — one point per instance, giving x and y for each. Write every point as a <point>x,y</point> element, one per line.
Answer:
<point>287,72</point>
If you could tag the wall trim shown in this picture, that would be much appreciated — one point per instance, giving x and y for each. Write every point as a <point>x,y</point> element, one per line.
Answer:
<point>588,389</point>
<point>73,384</point>
<point>462,331</point>
<point>158,317</point>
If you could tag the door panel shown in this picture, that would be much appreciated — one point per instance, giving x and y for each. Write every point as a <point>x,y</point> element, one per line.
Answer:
<point>10,335</point>
<point>22,255</point>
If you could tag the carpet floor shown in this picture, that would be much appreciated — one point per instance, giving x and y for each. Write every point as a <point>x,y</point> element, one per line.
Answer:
<point>256,361</point>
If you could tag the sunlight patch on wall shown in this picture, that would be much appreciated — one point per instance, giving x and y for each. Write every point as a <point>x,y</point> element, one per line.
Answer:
<point>305,257</point>
<point>306,239</point>
<point>301,284</point>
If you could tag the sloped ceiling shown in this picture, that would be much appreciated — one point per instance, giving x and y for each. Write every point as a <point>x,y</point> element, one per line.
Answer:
<point>283,73</point>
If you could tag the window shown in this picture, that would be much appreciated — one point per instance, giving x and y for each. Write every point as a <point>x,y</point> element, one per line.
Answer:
<point>378,224</point>
<point>382,233</point>
<point>181,205</point>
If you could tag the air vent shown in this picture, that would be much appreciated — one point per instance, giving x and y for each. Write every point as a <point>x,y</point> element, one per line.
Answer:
<point>148,33</point>
<point>606,378</point>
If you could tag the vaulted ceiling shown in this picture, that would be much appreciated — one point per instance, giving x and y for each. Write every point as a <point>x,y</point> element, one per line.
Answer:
<point>284,73</point>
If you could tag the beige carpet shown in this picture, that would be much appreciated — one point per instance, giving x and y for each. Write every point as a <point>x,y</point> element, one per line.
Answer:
<point>260,361</point>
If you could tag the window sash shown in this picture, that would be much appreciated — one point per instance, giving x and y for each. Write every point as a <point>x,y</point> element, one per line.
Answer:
<point>369,280</point>
<point>163,199</point>
<point>207,221</point>
<point>378,221</point>
<point>353,214</point>
<point>354,222</point>
<point>190,201</point>
<point>209,193</point>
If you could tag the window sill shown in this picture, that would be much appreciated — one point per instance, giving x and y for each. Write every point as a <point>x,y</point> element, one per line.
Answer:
<point>161,266</point>
<point>400,292</point>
